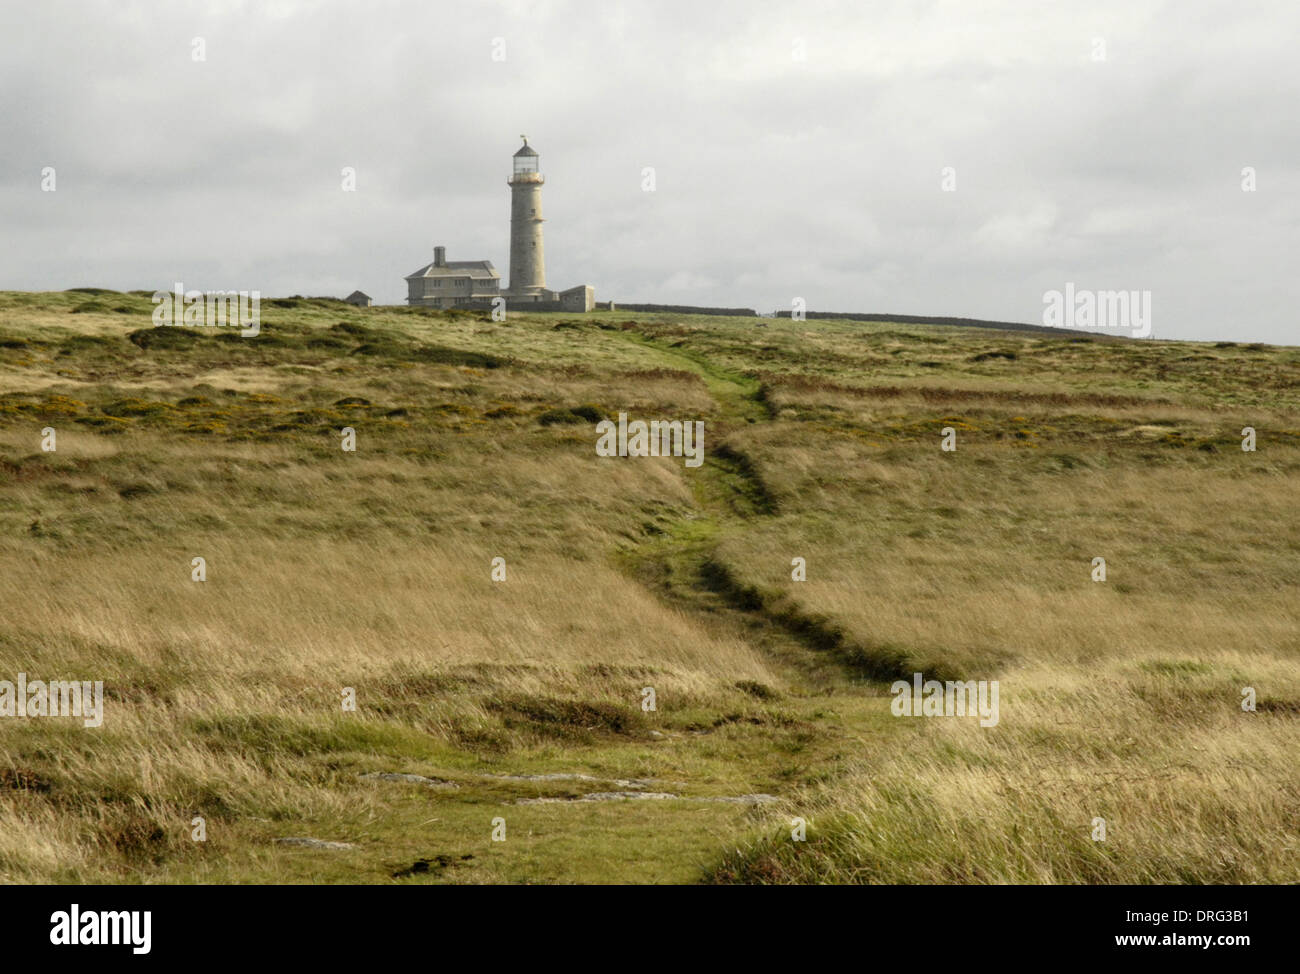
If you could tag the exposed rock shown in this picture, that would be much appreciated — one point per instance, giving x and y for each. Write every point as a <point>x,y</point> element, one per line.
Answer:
<point>630,784</point>
<point>314,843</point>
<point>628,789</point>
<point>411,779</point>
<point>613,796</point>
<point>599,796</point>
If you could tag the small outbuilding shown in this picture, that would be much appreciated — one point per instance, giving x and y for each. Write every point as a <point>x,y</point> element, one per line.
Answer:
<point>359,298</point>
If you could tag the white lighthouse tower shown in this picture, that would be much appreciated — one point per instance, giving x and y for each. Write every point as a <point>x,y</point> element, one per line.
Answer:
<point>527,258</point>
<point>473,283</point>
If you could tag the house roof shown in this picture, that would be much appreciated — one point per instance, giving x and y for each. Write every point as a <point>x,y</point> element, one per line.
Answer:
<point>357,294</point>
<point>457,268</point>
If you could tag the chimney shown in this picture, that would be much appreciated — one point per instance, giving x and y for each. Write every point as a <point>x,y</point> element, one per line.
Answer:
<point>439,256</point>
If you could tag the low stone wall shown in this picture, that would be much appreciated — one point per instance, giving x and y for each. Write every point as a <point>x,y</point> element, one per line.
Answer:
<point>687,309</point>
<point>927,320</point>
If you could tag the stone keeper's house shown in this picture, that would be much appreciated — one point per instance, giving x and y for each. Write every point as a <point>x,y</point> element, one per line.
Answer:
<point>452,283</point>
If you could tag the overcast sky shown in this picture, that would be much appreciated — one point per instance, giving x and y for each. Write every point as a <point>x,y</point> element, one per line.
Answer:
<point>776,176</point>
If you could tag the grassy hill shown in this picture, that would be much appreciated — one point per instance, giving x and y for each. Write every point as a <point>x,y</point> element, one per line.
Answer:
<point>521,700</point>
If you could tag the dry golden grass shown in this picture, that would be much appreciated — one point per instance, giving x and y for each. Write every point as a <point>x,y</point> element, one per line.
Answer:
<point>1191,789</point>
<point>1120,700</point>
<point>953,550</point>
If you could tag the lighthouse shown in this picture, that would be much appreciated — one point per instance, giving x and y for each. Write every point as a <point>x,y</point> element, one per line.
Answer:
<point>476,284</point>
<point>527,259</point>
